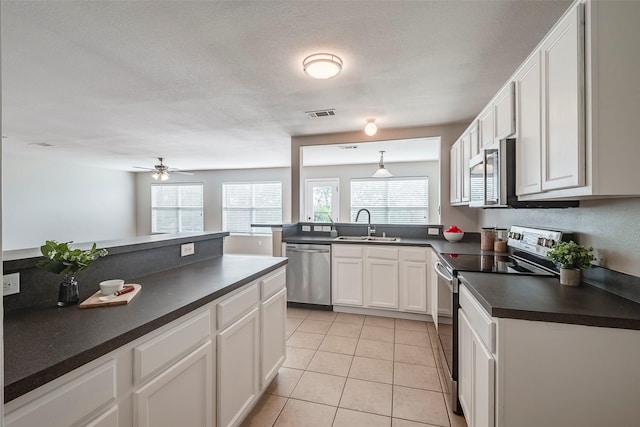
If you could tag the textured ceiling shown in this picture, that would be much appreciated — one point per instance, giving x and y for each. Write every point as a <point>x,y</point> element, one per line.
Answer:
<point>217,85</point>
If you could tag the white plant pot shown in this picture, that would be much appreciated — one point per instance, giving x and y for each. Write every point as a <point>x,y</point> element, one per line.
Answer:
<point>570,276</point>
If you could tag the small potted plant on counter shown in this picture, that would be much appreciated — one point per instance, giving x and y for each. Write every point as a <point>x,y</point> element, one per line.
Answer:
<point>61,259</point>
<point>573,258</point>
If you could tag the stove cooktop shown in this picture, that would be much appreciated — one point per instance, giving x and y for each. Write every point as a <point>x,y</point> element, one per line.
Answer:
<point>505,264</point>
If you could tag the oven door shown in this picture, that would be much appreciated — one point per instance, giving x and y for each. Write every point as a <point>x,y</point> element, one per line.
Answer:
<point>448,332</point>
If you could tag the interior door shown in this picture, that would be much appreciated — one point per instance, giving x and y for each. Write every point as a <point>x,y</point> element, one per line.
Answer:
<point>322,202</point>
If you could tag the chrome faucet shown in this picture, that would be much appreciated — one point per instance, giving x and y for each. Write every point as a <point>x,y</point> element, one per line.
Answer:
<point>370,230</point>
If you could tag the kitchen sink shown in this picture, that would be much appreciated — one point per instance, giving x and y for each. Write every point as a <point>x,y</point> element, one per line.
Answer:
<point>366,239</point>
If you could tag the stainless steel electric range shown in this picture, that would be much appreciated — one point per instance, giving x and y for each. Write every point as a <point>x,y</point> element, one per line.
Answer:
<point>526,256</point>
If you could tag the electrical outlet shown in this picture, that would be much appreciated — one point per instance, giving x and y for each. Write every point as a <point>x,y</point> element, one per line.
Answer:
<point>11,284</point>
<point>306,228</point>
<point>326,228</point>
<point>433,231</point>
<point>317,228</point>
<point>259,242</point>
<point>187,249</point>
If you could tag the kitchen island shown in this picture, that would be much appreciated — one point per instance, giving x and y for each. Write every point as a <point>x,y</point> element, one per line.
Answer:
<point>201,340</point>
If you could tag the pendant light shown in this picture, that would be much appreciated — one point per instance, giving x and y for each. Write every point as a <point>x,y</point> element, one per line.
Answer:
<point>371,128</point>
<point>382,172</point>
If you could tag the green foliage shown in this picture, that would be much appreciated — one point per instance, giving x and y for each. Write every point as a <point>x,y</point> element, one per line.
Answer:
<point>571,255</point>
<point>61,259</point>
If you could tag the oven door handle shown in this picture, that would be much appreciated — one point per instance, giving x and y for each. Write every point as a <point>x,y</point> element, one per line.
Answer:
<point>442,271</point>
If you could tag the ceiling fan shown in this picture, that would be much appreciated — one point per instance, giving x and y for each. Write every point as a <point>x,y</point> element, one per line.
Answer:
<point>161,172</point>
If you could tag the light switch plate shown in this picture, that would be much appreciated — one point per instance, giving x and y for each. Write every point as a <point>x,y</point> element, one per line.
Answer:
<point>433,231</point>
<point>317,228</point>
<point>326,228</point>
<point>306,228</point>
<point>11,284</point>
<point>187,249</point>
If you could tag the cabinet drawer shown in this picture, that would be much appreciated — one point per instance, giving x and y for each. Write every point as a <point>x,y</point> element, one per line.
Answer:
<point>237,305</point>
<point>383,252</point>
<point>414,254</point>
<point>347,251</point>
<point>69,403</point>
<point>273,283</point>
<point>479,319</point>
<point>161,350</point>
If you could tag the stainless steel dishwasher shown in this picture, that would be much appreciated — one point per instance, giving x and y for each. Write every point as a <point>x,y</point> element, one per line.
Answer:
<point>309,274</point>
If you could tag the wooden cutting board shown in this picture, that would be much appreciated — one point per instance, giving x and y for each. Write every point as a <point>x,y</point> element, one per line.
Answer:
<point>94,300</point>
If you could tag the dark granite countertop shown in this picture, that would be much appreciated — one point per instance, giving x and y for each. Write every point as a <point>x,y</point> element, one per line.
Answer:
<point>43,344</point>
<point>545,299</point>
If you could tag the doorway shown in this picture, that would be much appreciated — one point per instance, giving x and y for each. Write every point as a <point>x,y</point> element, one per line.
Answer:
<point>322,202</point>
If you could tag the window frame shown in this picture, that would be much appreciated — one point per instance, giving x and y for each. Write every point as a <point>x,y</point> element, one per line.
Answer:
<point>263,230</point>
<point>386,207</point>
<point>179,208</point>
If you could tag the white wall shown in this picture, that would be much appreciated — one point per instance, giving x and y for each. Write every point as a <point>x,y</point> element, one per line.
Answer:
<point>212,183</point>
<point>44,199</point>
<point>346,172</point>
<point>611,226</point>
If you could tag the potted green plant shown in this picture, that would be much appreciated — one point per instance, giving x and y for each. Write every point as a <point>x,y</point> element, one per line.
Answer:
<point>573,258</point>
<point>61,259</point>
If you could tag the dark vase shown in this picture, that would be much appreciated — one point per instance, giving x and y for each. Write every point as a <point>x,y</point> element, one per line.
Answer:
<point>68,293</point>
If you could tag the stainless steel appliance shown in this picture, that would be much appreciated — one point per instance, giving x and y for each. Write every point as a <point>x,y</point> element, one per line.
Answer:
<point>309,274</point>
<point>492,180</point>
<point>527,250</point>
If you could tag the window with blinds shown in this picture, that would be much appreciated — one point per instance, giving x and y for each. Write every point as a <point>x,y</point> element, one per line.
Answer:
<point>176,208</point>
<point>391,201</point>
<point>249,203</point>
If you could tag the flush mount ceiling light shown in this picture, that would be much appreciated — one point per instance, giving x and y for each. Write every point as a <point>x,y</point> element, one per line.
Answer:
<point>382,172</point>
<point>371,128</point>
<point>322,65</point>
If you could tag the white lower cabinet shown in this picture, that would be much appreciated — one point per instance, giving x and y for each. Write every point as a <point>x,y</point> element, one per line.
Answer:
<point>273,324</point>
<point>381,277</point>
<point>207,368</point>
<point>238,364</point>
<point>181,395</point>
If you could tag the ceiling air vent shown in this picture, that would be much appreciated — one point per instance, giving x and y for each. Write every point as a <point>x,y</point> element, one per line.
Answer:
<point>320,113</point>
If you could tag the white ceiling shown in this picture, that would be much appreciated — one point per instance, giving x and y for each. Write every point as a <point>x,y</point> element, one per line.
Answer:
<point>219,84</point>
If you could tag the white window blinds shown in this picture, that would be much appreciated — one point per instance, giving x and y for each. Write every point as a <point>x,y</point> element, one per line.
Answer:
<point>249,203</point>
<point>391,201</point>
<point>176,208</point>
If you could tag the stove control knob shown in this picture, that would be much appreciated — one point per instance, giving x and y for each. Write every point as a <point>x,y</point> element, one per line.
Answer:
<point>541,241</point>
<point>551,243</point>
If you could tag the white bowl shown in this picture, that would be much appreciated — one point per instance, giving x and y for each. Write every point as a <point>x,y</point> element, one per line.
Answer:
<point>110,286</point>
<point>453,237</point>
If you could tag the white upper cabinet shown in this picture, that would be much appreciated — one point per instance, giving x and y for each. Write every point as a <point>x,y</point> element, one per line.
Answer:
<point>563,146</point>
<point>486,127</point>
<point>463,176</point>
<point>504,116</point>
<point>455,168</point>
<point>528,135</point>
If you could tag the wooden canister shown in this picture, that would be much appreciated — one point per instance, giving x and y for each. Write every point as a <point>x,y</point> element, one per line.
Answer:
<point>486,238</point>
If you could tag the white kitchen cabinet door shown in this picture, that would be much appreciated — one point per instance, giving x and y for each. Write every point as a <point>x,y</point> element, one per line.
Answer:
<point>504,116</point>
<point>465,366</point>
<point>346,280</point>
<point>483,385</point>
<point>455,189</point>
<point>528,113</point>
<point>486,127</point>
<point>413,284</point>
<point>563,142</point>
<point>381,278</point>
<point>181,395</point>
<point>464,174</point>
<point>238,369</point>
<point>273,324</point>
<point>474,139</point>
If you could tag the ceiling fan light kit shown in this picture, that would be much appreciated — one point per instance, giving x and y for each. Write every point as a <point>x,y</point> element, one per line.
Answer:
<point>322,65</point>
<point>161,172</point>
<point>382,172</point>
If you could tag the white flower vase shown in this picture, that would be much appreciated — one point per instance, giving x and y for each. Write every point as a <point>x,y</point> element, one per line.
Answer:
<point>570,276</point>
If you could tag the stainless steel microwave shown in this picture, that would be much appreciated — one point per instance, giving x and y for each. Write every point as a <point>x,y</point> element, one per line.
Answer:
<point>493,180</point>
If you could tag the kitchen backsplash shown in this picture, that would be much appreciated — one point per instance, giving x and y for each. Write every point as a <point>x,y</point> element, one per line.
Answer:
<point>611,226</point>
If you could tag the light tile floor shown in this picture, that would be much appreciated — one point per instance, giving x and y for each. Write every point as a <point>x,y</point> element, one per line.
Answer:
<point>350,370</point>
